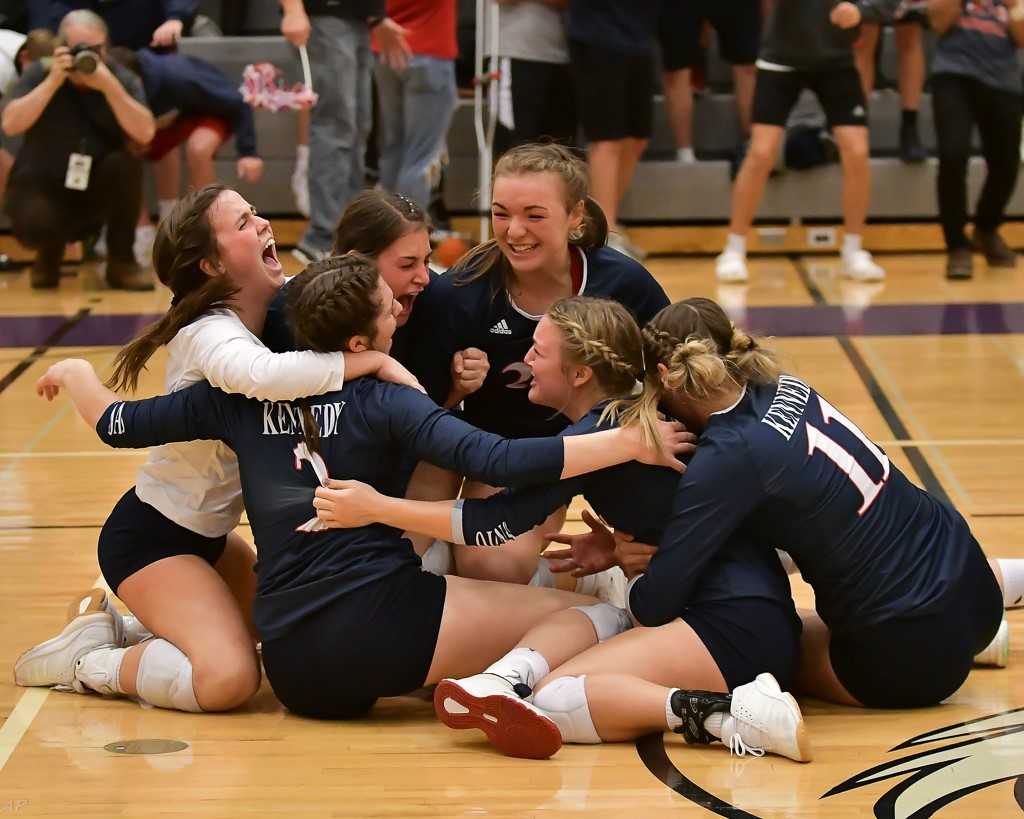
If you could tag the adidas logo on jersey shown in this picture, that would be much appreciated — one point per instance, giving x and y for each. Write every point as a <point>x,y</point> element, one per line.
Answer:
<point>501,328</point>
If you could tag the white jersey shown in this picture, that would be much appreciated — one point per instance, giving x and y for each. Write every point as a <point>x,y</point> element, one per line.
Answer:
<point>196,484</point>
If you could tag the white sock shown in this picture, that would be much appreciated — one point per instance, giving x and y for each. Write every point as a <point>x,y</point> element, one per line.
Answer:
<point>164,206</point>
<point>851,243</point>
<point>302,157</point>
<point>100,669</point>
<point>1013,581</point>
<point>672,719</point>
<point>543,577</point>
<point>736,244</point>
<point>787,562</point>
<point>522,663</point>
<point>686,155</point>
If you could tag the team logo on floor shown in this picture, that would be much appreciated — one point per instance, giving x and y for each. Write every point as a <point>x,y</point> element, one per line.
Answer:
<point>989,752</point>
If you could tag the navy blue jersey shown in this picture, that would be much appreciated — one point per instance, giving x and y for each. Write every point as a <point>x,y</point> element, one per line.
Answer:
<point>367,431</point>
<point>480,314</point>
<point>410,345</point>
<point>634,498</point>
<point>784,468</point>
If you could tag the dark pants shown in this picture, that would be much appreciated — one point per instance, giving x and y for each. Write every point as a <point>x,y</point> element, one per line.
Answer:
<point>543,104</point>
<point>46,216</point>
<point>960,103</point>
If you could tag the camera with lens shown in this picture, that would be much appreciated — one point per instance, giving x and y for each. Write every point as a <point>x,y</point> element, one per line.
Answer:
<point>84,58</point>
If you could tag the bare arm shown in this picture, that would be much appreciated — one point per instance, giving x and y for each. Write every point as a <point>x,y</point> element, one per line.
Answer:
<point>84,387</point>
<point>943,14</point>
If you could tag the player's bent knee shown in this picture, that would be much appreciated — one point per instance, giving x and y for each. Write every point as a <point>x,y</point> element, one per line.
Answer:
<point>226,681</point>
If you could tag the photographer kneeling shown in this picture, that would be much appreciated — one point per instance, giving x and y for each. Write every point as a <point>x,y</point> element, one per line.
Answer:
<point>76,171</point>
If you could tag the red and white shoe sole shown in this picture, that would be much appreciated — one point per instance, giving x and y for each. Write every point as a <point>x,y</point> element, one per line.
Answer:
<point>512,726</point>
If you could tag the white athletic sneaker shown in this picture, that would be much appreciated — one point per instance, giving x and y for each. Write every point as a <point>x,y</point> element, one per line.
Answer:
<point>731,266</point>
<point>997,653</point>
<point>306,256</point>
<point>619,241</point>
<point>765,719</point>
<point>860,266</point>
<point>610,587</point>
<point>128,630</point>
<point>54,662</point>
<point>490,703</point>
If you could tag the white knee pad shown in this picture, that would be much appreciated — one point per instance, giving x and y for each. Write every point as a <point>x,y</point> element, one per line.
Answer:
<point>565,701</point>
<point>165,678</point>
<point>608,620</point>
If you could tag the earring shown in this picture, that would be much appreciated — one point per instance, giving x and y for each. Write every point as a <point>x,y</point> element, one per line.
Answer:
<point>576,233</point>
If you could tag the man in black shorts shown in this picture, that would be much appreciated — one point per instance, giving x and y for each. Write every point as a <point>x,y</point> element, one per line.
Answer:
<point>738,26</point>
<point>611,51</point>
<point>808,44</point>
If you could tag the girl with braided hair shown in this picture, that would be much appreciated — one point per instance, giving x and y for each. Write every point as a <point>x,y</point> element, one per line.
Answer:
<point>346,616</point>
<point>169,549</point>
<point>578,671</point>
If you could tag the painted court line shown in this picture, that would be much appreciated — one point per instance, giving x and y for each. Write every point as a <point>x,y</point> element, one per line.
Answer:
<point>19,721</point>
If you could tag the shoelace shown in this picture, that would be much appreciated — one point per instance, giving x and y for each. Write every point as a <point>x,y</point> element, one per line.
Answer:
<point>739,748</point>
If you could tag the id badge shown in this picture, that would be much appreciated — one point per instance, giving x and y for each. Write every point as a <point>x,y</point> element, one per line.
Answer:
<point>77,177</point>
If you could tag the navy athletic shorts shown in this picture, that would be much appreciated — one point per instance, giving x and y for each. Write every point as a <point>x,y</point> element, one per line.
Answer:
<point>913,662</point>
<point>749,635</point>
<point>136,535</point>
<point>376,641</point>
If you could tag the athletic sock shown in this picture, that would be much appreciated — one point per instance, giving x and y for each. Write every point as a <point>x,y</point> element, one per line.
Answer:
<point>1013,581</point>
<point>543,577</point>
<point>672,719</point>
<point>521,663</point>
<point>302,156</point>
<point>735,243</point>
<point>686,155</point>
<point>715,724</point>
<point>851,243</point>
<point>908,118</point>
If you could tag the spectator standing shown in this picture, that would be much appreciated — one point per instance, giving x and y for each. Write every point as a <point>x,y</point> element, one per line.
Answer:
<point>808,44</point>
<point>535,92</point>
<point>976,81</point>
<point>337,36</point>
<point>738,26</point>
<point>611,43</point>
<point>416,96</point>
<point>75,171</point>
<point>197,106</point>
<point>134,24</point>
<point>908,25</point>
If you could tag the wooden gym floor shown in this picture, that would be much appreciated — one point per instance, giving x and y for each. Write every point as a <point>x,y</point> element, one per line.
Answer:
<point>934,371</point>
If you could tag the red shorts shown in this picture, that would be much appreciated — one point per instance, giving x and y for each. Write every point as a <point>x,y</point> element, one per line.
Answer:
<point>169,138</point>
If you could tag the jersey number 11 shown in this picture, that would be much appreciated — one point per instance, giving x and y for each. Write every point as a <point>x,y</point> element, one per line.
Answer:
<point>818,440</point>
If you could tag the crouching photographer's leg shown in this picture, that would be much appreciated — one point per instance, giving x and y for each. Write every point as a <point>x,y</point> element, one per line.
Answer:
<point>39,220</point>
<point>119,179</point>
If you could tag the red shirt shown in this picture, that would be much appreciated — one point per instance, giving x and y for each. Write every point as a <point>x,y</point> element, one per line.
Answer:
<point>431,25</point>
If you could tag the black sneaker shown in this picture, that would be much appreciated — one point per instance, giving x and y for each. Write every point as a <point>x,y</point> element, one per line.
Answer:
<point>959,263</point>
<point>911,149</point>
<point>997,252</point>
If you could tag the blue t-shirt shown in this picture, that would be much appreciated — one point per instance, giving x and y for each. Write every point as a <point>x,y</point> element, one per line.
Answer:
<point>978,45</point>
<point>368,429</point>
<point>480,314</point>
<point>784,468</point>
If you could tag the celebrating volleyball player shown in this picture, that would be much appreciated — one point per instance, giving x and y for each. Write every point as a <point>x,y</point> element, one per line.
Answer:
<point>168,548</point>
<point>549,243</point>
<point>350,609</point>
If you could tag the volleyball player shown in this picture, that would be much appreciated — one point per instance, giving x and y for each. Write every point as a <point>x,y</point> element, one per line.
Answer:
<point>168,548</point>
<point>549,243</point>
<point>345,616</point>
